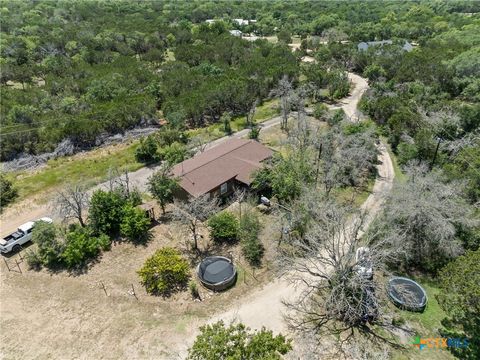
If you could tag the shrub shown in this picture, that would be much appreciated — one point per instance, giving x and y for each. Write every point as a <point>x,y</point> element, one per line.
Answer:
<point>216,341</point>
<point>254,132</point>
<point>321,111</point>
<point>135,224</point>
<point>164,272</point>
<point>80,246</point>
<point>398,321</point>
<point>249,230</point>
<point>169,135</point>
<point>223,227</point>
<point>284,36</point>
<point>33,260</point>
<point>336,118</point>
<point>146,151</point>
<point>192,285</point>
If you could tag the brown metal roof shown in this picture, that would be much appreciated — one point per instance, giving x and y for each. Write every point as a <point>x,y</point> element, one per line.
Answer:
<point>233,159</point>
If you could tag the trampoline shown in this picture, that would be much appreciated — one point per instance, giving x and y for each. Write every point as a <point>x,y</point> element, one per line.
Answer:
<point>216,273</point>
<point>407,294</point>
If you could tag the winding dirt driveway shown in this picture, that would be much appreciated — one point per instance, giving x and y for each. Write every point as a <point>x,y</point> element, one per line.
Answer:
<point>264,307</point>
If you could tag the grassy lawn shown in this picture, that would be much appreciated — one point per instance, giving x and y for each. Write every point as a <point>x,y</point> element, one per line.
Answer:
<point>88,169</point>
<point>425,325</point>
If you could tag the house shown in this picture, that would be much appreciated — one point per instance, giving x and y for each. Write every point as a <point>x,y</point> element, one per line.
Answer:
<point>363,46</point>
<point>241,22</point>
<point>236,33</point>
<point>221,169</point>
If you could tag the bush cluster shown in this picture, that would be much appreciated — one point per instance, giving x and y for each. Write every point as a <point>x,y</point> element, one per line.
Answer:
<point>69,249</point>
<point>167,145</point>
<point>165,272</point>
<point>111,214</point>
<point>114,213</point>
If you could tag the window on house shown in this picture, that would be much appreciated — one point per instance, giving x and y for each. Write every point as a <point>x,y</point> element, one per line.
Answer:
<point>223,188</point>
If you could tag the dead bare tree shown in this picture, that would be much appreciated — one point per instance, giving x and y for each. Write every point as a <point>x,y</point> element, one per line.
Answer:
<point>429,214</point>
<point>338,292</point>
<point>347,159</point>
<point>198,144</point>
<point>193,212</point>
<point>119,180</point>
<point>251,113</point>
<point>284,92</point>
<point>72,202</point>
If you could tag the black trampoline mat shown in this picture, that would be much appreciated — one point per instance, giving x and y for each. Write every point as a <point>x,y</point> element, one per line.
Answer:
<point>406,291</point>
<point>218,271</point>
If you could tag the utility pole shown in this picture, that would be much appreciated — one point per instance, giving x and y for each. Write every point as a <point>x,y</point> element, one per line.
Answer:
<point>318,161</point>
<point>435,155</point>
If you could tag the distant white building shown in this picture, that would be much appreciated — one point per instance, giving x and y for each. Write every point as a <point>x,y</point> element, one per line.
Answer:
<point>210,21</point>
<point>363,46</point>
<point>236,33</point>
<point>240,22</point>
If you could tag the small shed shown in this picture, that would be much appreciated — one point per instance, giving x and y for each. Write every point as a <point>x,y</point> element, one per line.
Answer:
<point>149,209</point>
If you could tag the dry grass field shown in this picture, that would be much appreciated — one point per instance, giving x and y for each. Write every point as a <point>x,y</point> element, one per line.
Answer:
<point>68,316</point>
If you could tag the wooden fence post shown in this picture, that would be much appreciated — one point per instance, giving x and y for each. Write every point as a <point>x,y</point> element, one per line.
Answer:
<point>18,265</point>
<point>6,263</point>
<point>104,289</point>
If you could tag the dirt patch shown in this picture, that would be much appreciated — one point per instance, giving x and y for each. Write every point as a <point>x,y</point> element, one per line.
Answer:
<point>65,316</point>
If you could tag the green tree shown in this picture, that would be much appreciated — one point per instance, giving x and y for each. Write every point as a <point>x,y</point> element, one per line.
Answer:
<point>174,153</point>
<point>225,120</point>
<point>237,342</point>
<point>284,36</point>
<point>81,245</point>
<point>460,299</point>
<point>146,152</point>
<point>135,223</point>
<point>165,272</point>
<point>50,246</point>
<point>338,84</point>
<point>249,230</point>
<point>162,186</point>
<point>374,72</point>
<point>223,227</point>
<point>8,192</point>
<point>106,211</point>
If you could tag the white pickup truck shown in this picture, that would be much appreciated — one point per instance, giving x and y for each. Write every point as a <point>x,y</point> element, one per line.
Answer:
<point>14,241</point>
